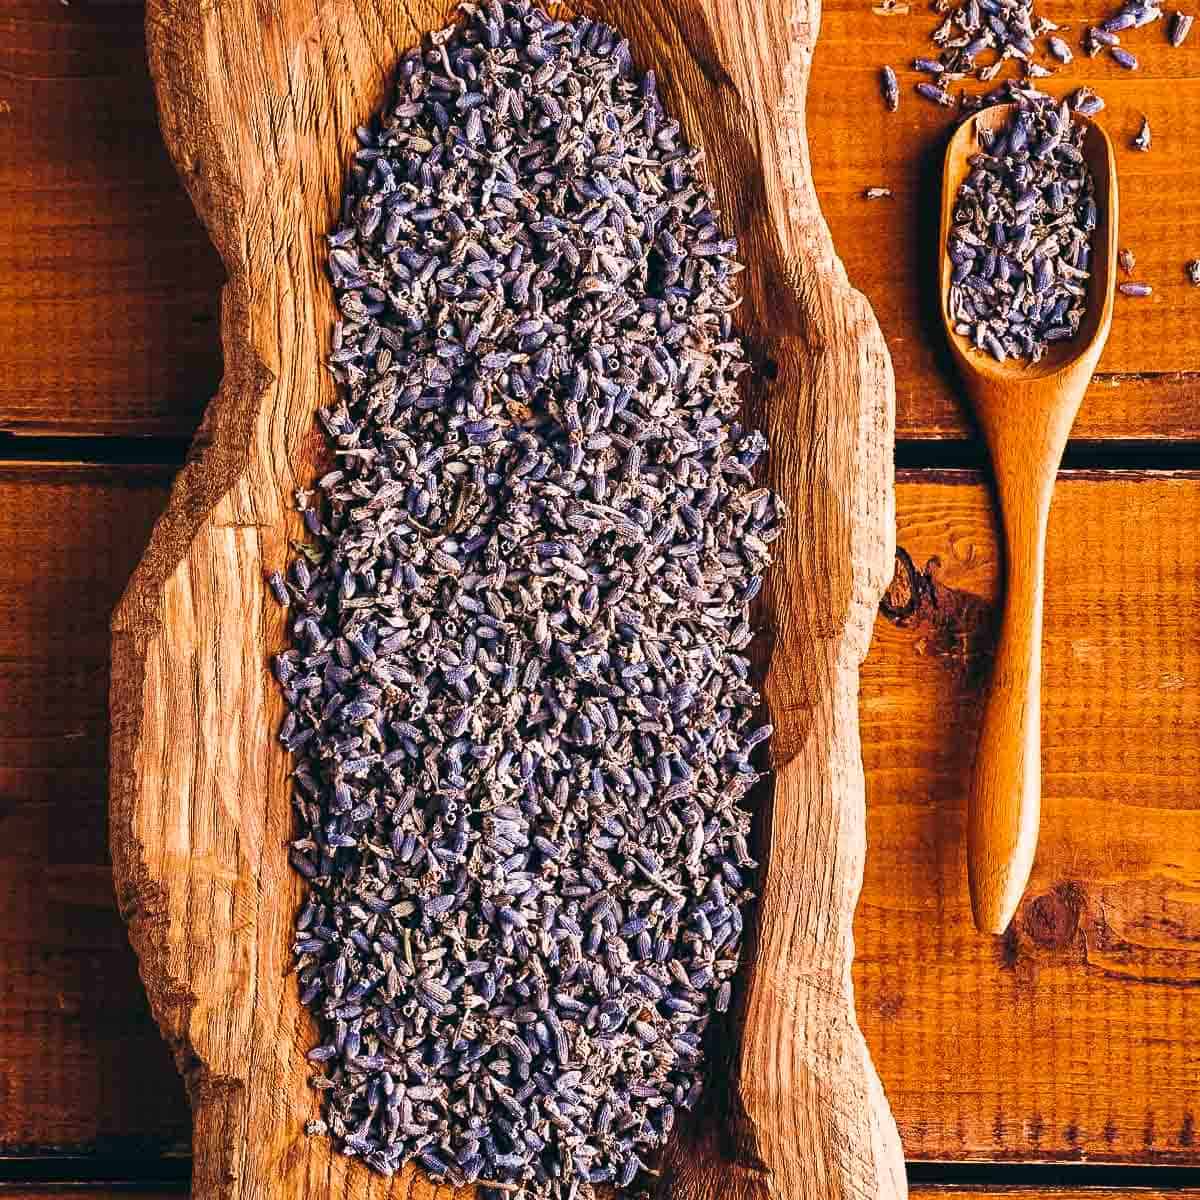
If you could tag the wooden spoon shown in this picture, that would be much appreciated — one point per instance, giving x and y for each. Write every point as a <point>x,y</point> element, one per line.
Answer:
<point>1026,413</point>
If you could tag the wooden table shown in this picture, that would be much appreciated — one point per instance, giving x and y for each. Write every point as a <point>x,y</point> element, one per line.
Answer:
<point>1070,1041</point>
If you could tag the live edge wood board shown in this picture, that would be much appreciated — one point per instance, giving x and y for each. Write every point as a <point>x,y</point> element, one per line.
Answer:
<point>258,101</point>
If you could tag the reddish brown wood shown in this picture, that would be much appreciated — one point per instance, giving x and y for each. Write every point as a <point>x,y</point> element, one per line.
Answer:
<point>108,290</point>
<point>138,289</point>
<point>1069,1037</point>
<point>82,1063</point>
<point>1054,1044</point>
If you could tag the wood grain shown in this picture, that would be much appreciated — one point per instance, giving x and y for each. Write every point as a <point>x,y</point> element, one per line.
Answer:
<point>1072,1037</point>
<point>109,249</point>
<point>108,293</point>
<point>257,102</point>
<point>890,247</point>
<point>83,1066</point>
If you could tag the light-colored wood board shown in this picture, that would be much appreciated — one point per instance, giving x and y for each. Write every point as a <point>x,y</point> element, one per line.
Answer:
<point>108,292</point>
<point>258,102</point>
<point>83,1065</point>
<point>890,246</point>
<point>1072,1036</point>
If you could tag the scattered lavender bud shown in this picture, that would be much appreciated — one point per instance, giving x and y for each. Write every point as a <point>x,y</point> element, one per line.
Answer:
<point>1123,58</point>
<point>877,193</point>
<point>1179,27</point>
<point>929,65</point>
<point>1060,49</point>
<point>1125,19</point>
<point>931,91</point>
<point>1193,270</point>
<point>1084,101</point>
<point>891,89</point>
<point>1135,289</point>
<point>1142,139</point>
<point>1126,260</point>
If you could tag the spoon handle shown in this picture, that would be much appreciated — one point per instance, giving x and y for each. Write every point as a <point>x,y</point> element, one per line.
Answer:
<point>1026,431</point>
<point>1005,800</point>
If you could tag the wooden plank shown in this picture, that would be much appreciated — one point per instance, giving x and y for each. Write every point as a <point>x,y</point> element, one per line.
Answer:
<point>83,1064</point>
<point>890,246</point>
<point>1051,1044</point>
<point>109,291</point>
<point>82,1187</point>
<point>100,243</point>
<point>1072,1036</point>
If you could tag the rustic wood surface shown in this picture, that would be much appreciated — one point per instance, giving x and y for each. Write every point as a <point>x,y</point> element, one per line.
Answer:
<point>1074,1037</point>
<point>109,249</point>
<point>108,292</point>
<point>258,103</point>
<point>82,1064</point>
<point>1070,1038</point>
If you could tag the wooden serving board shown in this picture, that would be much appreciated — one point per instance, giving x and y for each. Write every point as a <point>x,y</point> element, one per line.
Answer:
<point>258,100</point>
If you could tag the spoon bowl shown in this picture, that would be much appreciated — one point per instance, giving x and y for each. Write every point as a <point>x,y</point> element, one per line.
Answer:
<point>1026,411</point>
<point>1076,353</point>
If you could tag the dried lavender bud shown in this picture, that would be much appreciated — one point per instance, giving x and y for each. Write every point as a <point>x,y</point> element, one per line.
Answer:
<point>1124,58</point>
<point>1193,270</point>
<point>1060,49</point>
<point>891,89</point>
<point>931,91</point>
<point>971,28</point>
<point>1135,289</point>
<point>1179,28</point>
<point>1142,140</point>
<point>1126,260</point>
<point>1103,37</point>
<point>1125,19</point>
<point>1020,241</point>
<point>518,700</point>
<point>1037,71</point>
<point>1085,102</point>
<point>877,193</point>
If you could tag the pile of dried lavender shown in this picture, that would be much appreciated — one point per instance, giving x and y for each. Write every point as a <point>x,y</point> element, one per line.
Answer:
<point>521,714</point>
<point>1020,242</point>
